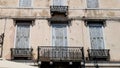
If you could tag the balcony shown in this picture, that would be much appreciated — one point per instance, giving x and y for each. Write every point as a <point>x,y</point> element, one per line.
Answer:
<point>59,10</point>
<point>98,54</point>
<point>21,53</point>
<point>49,53</point>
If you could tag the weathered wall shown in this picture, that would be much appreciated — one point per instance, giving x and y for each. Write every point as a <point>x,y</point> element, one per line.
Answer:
<point>40,35</point>
<point>112,37</point>
<point>78,33</point>
<point>8,38</point>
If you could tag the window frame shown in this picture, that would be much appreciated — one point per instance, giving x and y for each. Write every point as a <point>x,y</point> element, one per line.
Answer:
<point>21,21</point>
<point>102,28</point>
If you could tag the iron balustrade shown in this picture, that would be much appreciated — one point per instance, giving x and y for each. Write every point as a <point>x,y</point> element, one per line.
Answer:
<point>98,54</point>
<point>53,53</point>
<point>59,9</point>
<point>21,52</point>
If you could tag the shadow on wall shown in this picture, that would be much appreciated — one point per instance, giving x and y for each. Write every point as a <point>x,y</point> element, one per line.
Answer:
<point>1,44</point>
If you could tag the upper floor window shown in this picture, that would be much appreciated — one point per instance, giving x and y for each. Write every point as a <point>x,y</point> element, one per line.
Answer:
<point>92,4</point>
<point>25,3</point>
<point>59,2</point>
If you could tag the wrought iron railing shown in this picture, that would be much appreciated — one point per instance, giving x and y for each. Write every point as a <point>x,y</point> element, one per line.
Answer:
<point>21,52</point>
<point>98,54</point>
<point>52,53</point>
<point>59,9</point>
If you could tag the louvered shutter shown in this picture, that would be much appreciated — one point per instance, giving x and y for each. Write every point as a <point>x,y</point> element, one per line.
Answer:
<point>22,36</point>
<point>92,3</point>
<point>59,35</point>
<point>59,39</point>
<point>59,2</point>
<point>96,36</point>
<point>25,3</point>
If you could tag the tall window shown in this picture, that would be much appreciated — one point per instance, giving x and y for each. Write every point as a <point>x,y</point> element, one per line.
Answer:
<point>92,4</point>
<point>22,34</point>
<point>59,2</point>
<point>96,35</point>
<point>59,35</point>
<point>25,3</point>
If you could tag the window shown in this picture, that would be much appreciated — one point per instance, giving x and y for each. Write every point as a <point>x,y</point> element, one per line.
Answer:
<point>25,3</point>
<point>59,2</point>
<point>96,34</point>
<point>22,34</point>
<point>59,35</point>
<point>92,4</point>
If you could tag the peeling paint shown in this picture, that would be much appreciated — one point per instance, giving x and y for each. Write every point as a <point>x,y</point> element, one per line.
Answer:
<point>110,13</point>
<point>44,13</point>
<point>3,3</point>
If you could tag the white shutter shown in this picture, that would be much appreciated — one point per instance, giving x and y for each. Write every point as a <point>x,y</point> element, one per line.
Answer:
<point>96,36</point>
<point>22,37</point>
<point>92,3</point>
<point>25,3</point>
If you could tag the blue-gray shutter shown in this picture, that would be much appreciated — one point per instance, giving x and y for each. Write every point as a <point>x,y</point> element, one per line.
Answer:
<point>22,35</point>
<point>59,38</point>
<point>25,3</point>
<point>59,2</point>
<point>96,36</point>
<point>59,35</point>
<point>92,3</point>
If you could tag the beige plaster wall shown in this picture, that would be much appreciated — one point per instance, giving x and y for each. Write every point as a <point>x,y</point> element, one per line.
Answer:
<point>40,35</point>
<point>8,38</point>
<point>2,25</point>
<point>109,3</point>
<point>112,39</point>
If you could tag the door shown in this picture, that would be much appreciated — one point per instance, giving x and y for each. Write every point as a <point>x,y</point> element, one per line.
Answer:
<point>96,36</point>
<point>22,35</point>
<point>59,40</point>
<point>59,35</point>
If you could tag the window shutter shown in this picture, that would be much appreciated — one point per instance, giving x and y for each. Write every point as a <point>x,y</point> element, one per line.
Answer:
<point>92,3</point>
<point>22,37</point>
<point>59,2</point>
<point>59,35</point>
<point>25,3</point>
<point>96,36</point>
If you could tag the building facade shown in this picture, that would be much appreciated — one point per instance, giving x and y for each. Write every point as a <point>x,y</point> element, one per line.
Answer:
<point>61,33</point>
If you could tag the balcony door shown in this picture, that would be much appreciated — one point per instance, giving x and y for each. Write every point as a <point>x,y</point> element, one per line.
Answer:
<point>22,35</point>
<point>59,41</point>
<point>59,2</point>
<point>96,35</point>
<point>59,35</point>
